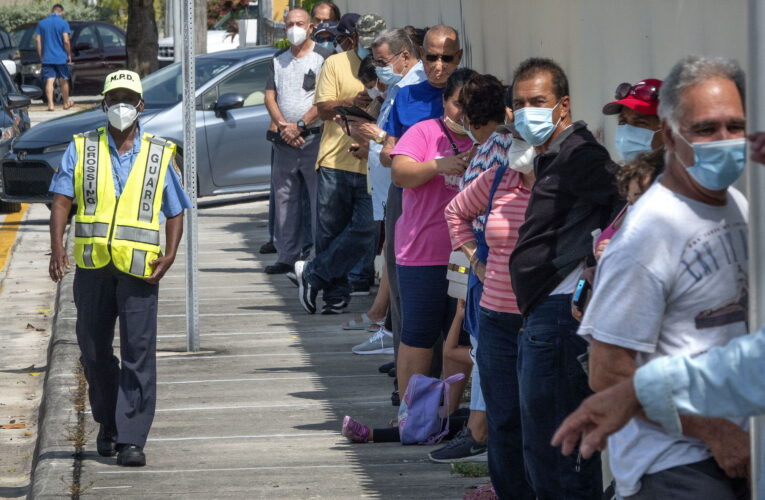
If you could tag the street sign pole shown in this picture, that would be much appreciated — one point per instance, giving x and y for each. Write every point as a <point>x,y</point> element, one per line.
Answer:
<point>190,175</point>
<point>755,90</point>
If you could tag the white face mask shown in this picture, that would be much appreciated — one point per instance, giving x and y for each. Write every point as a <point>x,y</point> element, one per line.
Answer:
<point>520,156</point>
<point>296,35</point>
<point>374,92</point>
<point>122,115</point>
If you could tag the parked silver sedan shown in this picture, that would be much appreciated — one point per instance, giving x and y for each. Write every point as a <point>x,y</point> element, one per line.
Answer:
<point>233,155</point>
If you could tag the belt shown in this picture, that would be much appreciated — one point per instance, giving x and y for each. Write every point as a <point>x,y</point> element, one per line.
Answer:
<point>310,131</point>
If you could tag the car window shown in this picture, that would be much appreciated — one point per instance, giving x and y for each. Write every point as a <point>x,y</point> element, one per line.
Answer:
<point>249,82</point>
<point>5,41</point>
<point>164,88</point>
<point>110,37</point>
<point>24,38</point>
<point>87,35</point>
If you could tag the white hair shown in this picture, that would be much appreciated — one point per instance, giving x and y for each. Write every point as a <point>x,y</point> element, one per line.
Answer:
<point>691,71</point>
<point>397,41</point>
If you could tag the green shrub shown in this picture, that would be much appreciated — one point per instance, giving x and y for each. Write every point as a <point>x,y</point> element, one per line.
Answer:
<point>13,16</point>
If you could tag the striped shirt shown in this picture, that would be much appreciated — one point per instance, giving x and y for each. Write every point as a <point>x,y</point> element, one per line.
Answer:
<point>508,211</point>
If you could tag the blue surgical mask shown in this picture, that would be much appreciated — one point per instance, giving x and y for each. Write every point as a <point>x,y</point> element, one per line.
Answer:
<point>387,75</point>
<point>718,164</point>
<point>535,124</point>
<point>631,141</point>
<point>362,52</point>
<point>327,45</point>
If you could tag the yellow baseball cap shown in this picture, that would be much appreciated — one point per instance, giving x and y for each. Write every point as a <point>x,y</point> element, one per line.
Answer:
<point>123,79</point>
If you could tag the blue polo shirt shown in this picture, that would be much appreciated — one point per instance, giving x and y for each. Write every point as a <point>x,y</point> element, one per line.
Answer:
<point>414,104</point>
<point>174,198</point>
<point>51,31</point>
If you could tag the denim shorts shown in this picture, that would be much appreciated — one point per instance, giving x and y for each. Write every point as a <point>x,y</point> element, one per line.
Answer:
<point>426,308</point>
<point>55,71</point>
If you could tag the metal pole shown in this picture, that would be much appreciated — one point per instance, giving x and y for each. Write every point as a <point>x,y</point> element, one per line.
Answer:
<point>755,91</point>
<point>177,11</point>
<point>190,175</point>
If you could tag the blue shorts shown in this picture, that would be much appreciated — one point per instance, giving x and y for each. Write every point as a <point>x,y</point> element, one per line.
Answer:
<point>55,71</point>
<point>427,310</point>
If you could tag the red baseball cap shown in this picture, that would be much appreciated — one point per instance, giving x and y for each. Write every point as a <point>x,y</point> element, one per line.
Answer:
<point>642,97</point>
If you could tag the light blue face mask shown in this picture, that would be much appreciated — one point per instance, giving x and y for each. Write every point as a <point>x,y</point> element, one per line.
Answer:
<point>362,52</point>
<point>631,141</point>
<point>387,75</point>
<point>535,124</point>
<point>339,49</point>
<point>469,133</point>
<point>718,164</point>
<point>327,45</point>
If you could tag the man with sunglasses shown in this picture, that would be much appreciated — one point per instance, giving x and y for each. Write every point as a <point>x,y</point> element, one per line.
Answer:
<point>574,194</point>
<point>114,173</point>
<point>673,281</point>
<point>345,229</point>
<point>639,123</point>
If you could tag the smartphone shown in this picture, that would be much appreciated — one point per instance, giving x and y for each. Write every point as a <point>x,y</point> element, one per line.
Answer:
<point>581,294</point>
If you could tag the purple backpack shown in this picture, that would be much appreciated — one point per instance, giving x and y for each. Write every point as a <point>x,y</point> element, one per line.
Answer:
<point>423,417</point>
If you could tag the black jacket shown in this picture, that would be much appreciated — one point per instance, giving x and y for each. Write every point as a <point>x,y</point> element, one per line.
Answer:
<point>574,194</point>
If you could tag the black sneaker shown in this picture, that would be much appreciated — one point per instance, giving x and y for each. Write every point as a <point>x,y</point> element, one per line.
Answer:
<point>395,399</point>
<point>106,442</point>
<point>386,367</point>
<point>463,448</point>
<point>306,292</point>
<point>337,307</point>
<point>278,268</point>
<point>130,455</point>
<point>267,247</point>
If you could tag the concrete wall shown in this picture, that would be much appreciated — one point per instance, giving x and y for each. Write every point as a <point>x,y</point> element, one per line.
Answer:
<point>600,43</point>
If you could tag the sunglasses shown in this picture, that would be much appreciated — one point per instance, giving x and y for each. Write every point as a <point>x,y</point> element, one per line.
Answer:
<point>643,91</point>
<point>446,58</point>
<point>381,63</point>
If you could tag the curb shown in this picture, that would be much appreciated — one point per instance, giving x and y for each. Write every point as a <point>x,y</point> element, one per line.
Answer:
<point>54,453</point>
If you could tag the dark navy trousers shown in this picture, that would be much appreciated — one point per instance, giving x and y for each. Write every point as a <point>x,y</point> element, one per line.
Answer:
<point>122,395</point>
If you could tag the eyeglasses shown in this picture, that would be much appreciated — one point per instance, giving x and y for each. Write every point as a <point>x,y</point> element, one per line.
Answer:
<point>381,63</point>
<point>321,38</point>
<point>446,58</point>
<point>643,91</point>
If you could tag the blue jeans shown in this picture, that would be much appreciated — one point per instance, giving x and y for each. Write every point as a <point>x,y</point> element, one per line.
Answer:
<point>364,270</point>
<point>497,358</point>
<point>552,385</point>
<point>343,232</point>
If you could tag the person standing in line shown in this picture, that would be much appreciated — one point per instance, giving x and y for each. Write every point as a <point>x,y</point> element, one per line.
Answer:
<point>119,260</point>
<point>344,228</point>
<point>322,12</point>
<point>574,194</point>
<point>55,53</point>
<point>290,92</point>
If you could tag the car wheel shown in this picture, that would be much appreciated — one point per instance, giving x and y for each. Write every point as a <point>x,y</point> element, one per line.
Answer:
<point>8,207</point>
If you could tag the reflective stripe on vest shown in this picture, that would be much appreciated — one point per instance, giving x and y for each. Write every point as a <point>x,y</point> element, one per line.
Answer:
<point>90,175</point>
<point>148,236</point>
<point>91,229</point>
<point>138,262</point>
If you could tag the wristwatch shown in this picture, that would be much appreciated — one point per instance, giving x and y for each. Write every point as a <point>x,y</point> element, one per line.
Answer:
<point>380,137</point>
<point>301,124</point>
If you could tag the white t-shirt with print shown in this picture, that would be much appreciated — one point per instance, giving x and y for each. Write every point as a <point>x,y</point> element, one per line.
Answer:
<point>673,281</point>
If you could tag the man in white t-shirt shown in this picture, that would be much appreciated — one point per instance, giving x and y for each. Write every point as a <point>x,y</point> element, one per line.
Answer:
<point>674,281</point>
<point>289,99</point>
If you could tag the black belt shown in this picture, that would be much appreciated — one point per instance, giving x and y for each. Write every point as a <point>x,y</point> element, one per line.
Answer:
<point>310,131</point>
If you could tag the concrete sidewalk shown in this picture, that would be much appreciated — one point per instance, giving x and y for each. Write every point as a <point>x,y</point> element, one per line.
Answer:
<point>258,415</point>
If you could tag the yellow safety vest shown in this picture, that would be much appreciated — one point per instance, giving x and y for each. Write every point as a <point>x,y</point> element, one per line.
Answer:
<point>124,231</point>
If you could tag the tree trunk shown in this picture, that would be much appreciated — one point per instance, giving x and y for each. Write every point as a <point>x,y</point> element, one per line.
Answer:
<point>141,38</point>
<point>200,26</point>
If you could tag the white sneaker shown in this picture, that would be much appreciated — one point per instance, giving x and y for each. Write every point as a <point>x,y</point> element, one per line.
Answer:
<point>381,342</point>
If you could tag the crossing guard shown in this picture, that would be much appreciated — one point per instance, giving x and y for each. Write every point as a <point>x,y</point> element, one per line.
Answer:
<point>114,174</point>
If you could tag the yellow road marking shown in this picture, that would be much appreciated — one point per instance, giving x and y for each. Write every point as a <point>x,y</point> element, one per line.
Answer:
<point>8,230</point>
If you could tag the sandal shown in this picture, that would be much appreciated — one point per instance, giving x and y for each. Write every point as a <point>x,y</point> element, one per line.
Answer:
<point>364,324</point>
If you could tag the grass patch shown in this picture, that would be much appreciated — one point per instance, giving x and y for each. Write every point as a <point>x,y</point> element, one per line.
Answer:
<point>469,469</point>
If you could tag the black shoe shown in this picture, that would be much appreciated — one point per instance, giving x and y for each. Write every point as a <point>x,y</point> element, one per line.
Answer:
<point>278,268</point>
<point>306,293</point>
<point>130,455</point>
<point>267,247</point>
<point>395,399</point>
<point>392,372</point>
<point>386,367</point>
<point>463,448</point>
<point>106,442</point>
<point>337,307</point>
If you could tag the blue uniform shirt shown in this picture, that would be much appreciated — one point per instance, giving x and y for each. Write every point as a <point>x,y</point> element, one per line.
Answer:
<point>174,198</point>
<point>51,31</point>
<point>414,104</point>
